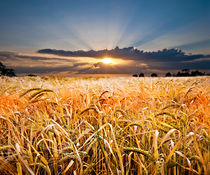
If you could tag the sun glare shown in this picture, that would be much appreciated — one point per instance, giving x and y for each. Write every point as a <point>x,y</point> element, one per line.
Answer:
<point>107,60</point>
<point>112,61</point>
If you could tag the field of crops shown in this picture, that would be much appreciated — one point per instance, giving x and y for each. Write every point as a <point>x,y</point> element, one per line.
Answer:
<point>129,125</point>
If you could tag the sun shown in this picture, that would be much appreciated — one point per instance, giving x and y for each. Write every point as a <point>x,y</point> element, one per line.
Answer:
<point>112,61</point>
<point>107,61</point>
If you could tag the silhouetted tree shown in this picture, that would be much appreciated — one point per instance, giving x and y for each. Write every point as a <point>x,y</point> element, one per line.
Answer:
<point>8,72</point>
<point>2,67</point>
<point>5,71</point>
<point>153,75</point>
<point>168,74</point>
<point>197,73</point>
<point>135,75</point>
<point>178,74</point>
<point>141,75</point>
<point>185,73</point>
<point>185,70</point>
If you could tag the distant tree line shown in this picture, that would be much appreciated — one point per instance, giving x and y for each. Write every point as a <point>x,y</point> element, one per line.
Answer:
<point>6,71</point>
<point>182,73</point>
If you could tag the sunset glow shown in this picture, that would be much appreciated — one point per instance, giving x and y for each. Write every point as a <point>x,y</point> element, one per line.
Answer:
<point>107,61</point>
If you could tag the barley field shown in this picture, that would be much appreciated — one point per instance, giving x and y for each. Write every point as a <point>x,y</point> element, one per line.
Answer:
<point>116,125</point>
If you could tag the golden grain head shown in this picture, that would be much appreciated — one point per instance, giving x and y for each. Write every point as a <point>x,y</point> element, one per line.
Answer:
<point>52,125</point>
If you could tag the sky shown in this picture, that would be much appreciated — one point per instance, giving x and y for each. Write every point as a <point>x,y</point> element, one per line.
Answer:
<point>69,37</point>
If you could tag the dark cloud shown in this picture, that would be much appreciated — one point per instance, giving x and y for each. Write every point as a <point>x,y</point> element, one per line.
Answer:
<point>166,59</point>
<point>7,55</point>
<point>13,56</point>
<point>41,69</point>
<point>137,61</point>
<point>131,53</point>
<point>57,69</point>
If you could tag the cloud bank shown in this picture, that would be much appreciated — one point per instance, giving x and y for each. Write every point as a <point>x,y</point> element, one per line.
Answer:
<point>130,53</point>
<point>135,61</point>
